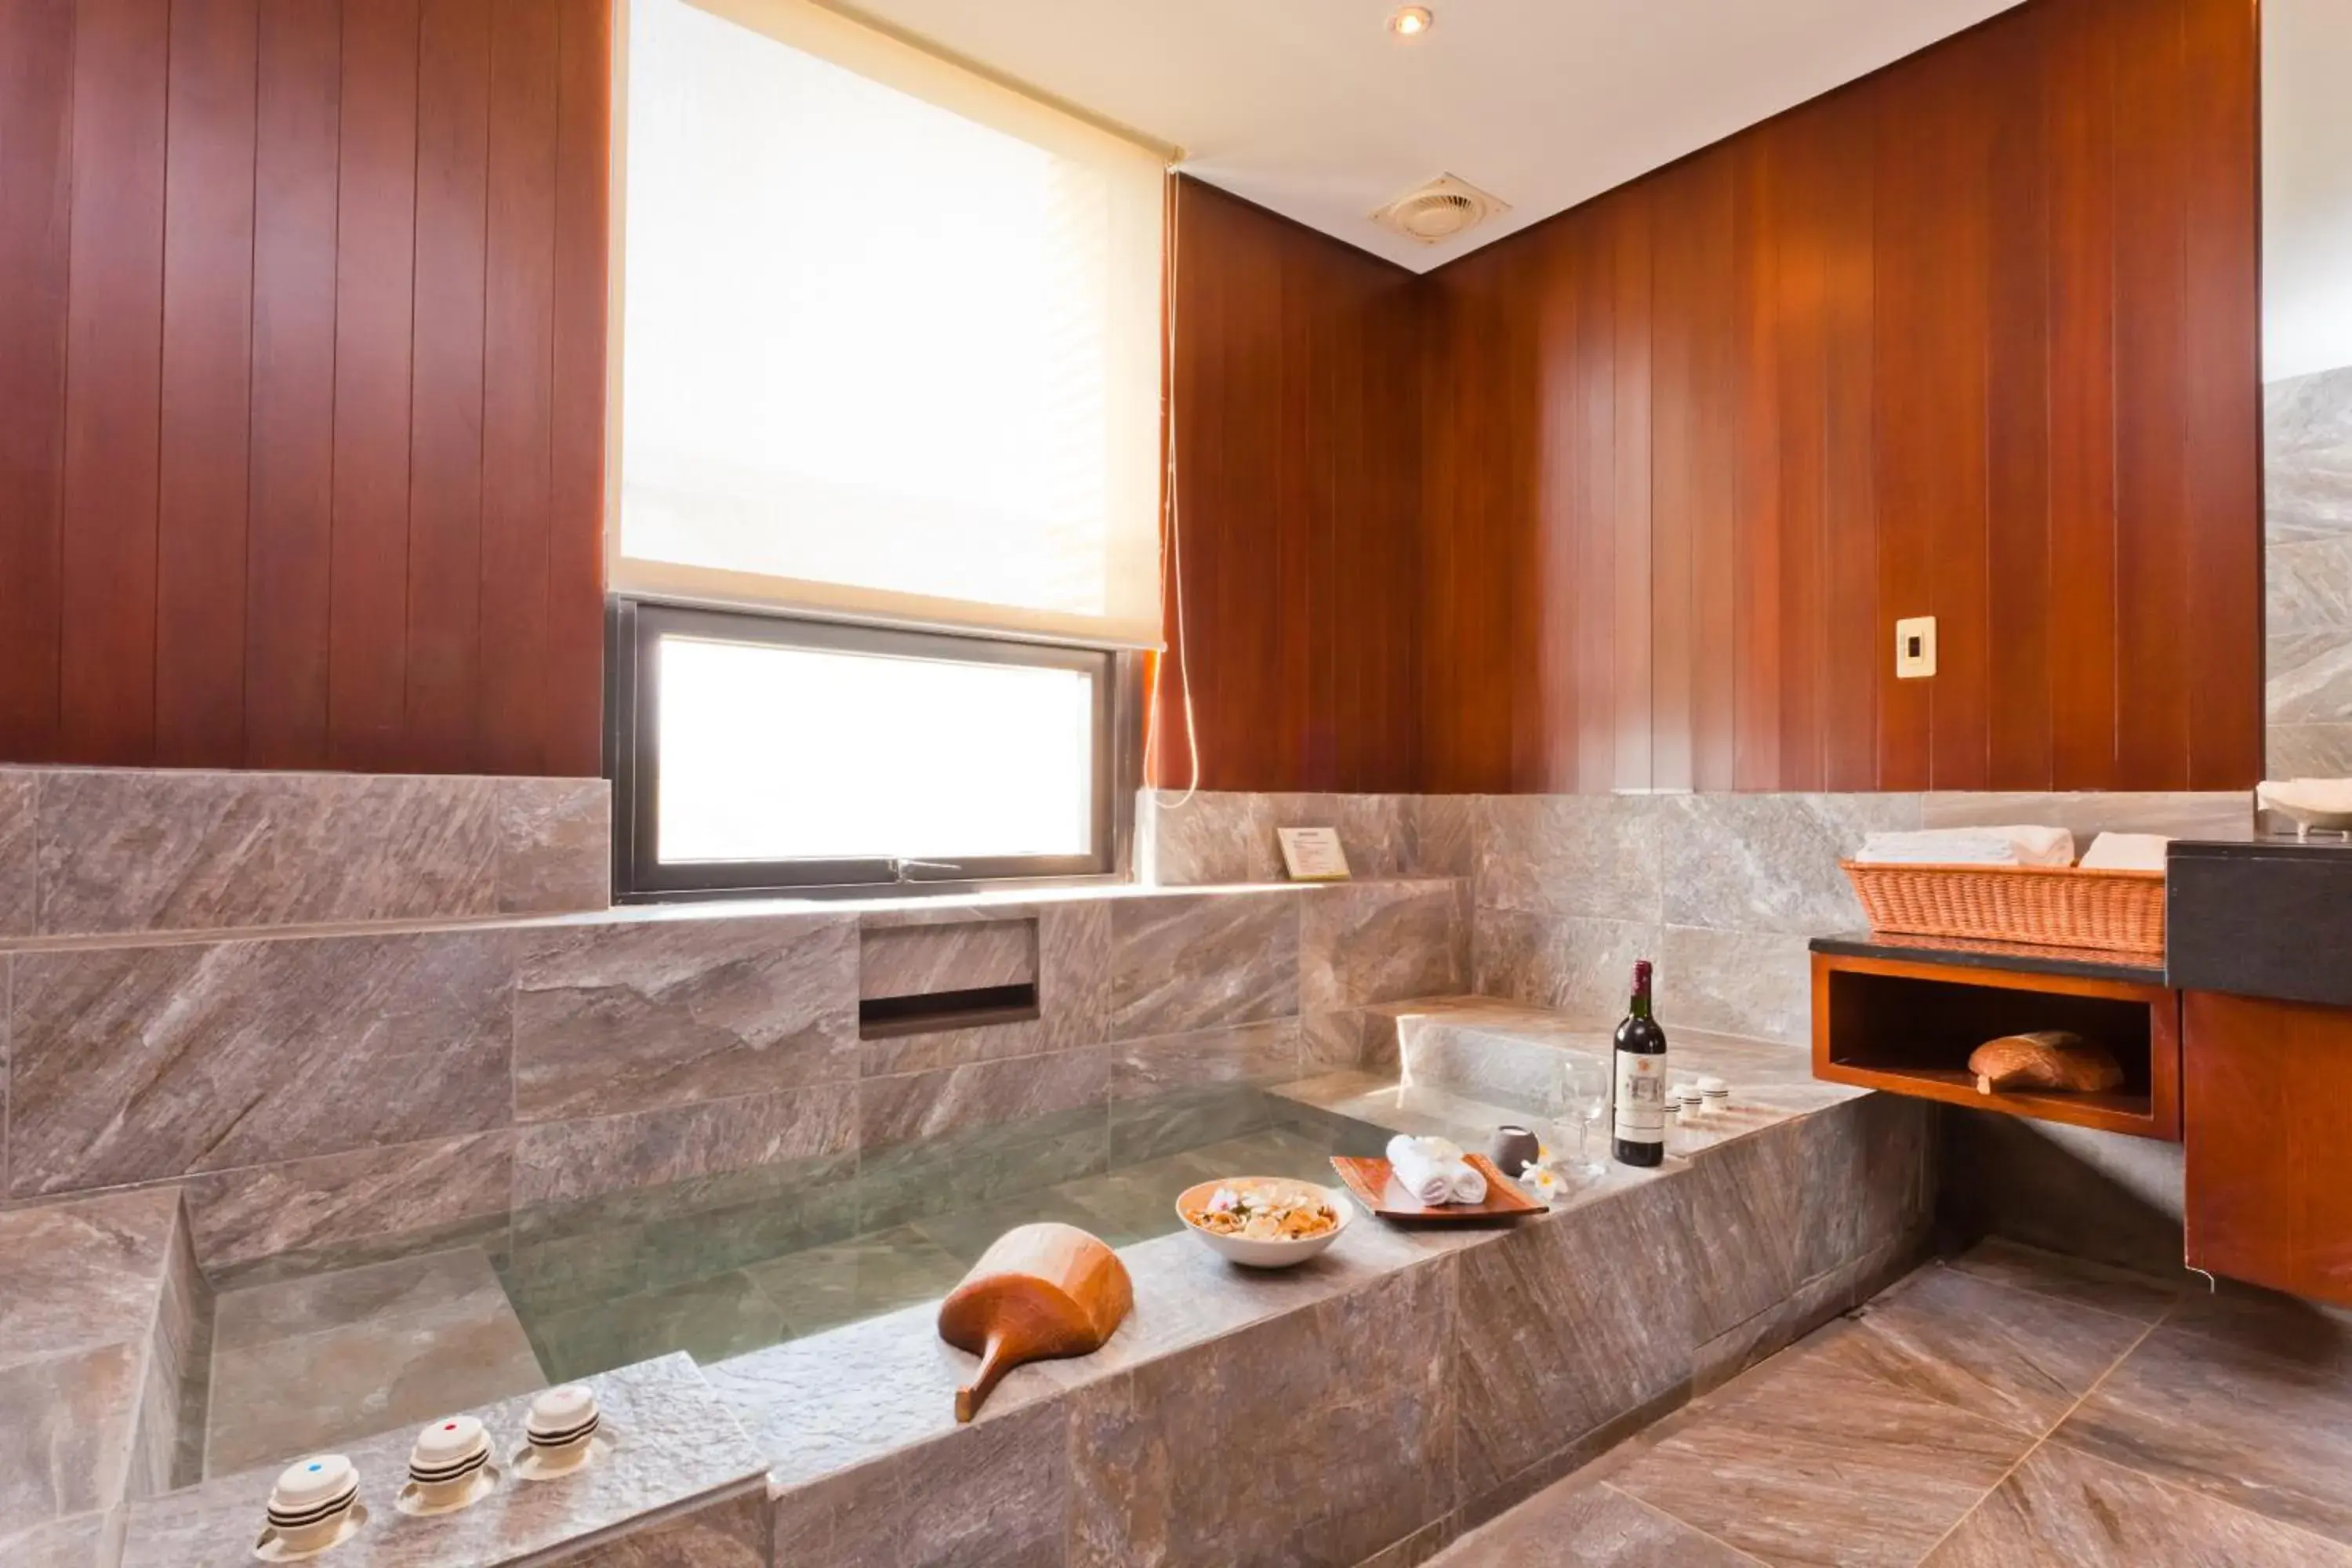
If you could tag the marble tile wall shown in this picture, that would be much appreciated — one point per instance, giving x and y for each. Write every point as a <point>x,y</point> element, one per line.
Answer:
<point>316,1092</point>
<point>93,851</point>
<point>2308,426</point>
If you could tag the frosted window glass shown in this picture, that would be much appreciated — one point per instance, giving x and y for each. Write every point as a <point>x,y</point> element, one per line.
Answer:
<point>778,754</point>
<point>875,347</point>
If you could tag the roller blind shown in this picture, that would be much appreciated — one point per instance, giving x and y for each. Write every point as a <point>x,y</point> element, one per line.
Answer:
<point>890,333</point>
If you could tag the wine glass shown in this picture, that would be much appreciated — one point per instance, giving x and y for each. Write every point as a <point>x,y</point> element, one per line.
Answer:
<point>1584,1093</point>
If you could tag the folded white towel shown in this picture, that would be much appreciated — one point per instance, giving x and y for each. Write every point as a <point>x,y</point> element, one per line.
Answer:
<point>2126,852</point>
<point>1434,1171</point>
<point>2006,845</point>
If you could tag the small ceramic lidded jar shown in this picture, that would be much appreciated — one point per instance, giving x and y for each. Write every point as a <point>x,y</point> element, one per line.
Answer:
<point>447,1462</point>
<point>311,1503</point>
<point>560,1424</point>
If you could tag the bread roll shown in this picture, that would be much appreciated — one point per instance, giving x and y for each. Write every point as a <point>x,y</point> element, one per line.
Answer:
<point>2055,1059</point>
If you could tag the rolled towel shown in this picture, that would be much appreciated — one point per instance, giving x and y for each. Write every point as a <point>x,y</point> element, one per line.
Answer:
<point>1468,1185</point>
<point>1428,1180</point>
<point>2011,846</point>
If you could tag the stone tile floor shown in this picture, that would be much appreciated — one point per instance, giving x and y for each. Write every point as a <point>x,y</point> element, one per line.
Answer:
<point>2000,1408</point>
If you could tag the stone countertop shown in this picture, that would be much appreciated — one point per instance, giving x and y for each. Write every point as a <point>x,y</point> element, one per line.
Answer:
<point>674,1443</point>
<point>2271,917</point>
<point>2015,957</point>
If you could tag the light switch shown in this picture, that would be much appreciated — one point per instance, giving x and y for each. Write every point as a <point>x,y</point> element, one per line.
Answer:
<point>1914,648</point>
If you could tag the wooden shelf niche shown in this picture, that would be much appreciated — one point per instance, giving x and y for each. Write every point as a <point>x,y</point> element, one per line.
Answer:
<point>1908,1027</point>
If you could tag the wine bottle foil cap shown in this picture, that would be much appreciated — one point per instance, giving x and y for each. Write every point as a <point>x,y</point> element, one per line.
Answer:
<point>1640,970</point>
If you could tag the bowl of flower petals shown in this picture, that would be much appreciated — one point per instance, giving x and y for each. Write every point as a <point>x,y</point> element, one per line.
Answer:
<point>1264,1222</point>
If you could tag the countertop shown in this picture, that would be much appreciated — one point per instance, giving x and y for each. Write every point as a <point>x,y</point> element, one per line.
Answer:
<point>2089,963</point>
<point>2270,918</point>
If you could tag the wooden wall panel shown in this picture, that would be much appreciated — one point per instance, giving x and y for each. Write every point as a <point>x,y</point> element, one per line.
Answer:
<point>302,383</point>
<point>1973,337</point>
<point>1296,409</point>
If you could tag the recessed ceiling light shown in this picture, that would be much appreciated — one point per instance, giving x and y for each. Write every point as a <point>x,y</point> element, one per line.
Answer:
<point>1411,21</point>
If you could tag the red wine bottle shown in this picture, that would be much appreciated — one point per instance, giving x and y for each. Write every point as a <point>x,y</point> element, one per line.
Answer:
<point>1640,1100</point>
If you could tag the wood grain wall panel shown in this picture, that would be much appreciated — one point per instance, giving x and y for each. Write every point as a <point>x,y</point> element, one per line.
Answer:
<point>207,401</point>
<point>114,330</point>
<point>1296,412</point>
<point>37,55</point>
<point>446,367</point>
<point>291,502</point>
<point>302,366</point>
<point>1971,337</point>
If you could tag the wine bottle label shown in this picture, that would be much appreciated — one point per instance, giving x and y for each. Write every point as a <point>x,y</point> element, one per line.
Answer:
<point>1641,1098</point>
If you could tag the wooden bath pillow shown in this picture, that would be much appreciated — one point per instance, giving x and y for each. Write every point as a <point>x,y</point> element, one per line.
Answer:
<point>2055,1059</point>
<point>1038,1293</point>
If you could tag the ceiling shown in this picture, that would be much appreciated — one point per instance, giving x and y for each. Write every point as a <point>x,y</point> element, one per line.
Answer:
<point>1311,107</point>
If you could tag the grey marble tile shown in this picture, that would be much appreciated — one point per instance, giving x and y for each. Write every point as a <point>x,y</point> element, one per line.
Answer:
<point>1253,1053</point>
<point>1738,1205</point>
<point>2102,1195</point>
<point>903,1182</point>
<point>138,849</point>
<point>1869,1180</point>
<point>2308,677</point>
<point>820,1288</point>
<point>1004,1483</point>
<point>1579,1524</point>
<point>2064,1507</point>
<point>1422,1546</point>
<point>339,1206</point>
<point>2074,1280</point>
<point>2310,586</point>
<point>1595,857</point>
<point>1073,974</point>
<point>2191,814</point>
<point>1770,862</point>
<point>561,1162</point>
<point>249,1316</point>
<point>1444,836</point>
<point>452,1341</point>
<point>555,845</point>
<point>131,1064</point>
<point>1551,1346</point>
<point>1204,841</point>
<point>1204,961</point>
<point>2233,1423</point>
<point>16,852</point>
<point>675,1447</point>
<point>1375,831</point>
<point>2007,1355</point>
<point>65,1447</point>
<point>1581,967</point>
<point>85,1541</point>
<point>925,1105</point>
<point>734,1531</point>
<point>179,1370</point>
<point>1716,1362</point>
<point>2307,454</point>
<point>2315,1335</point>
<point>1382,941</point>
<point>1330,1041</point>
<point>1736,982</point>
<point>82,1274</point>
<point>964,955</point>
<point>1290,1453</point>
<point>2308,750</point>
<point>612,1017</point>
<point>1803,1463</point>
<point>709,1319</point>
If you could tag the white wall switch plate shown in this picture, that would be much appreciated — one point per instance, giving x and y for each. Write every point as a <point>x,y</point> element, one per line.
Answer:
<point>1914,648</point>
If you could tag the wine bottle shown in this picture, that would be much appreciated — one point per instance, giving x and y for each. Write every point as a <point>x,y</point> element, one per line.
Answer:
<point>1640,1100</point>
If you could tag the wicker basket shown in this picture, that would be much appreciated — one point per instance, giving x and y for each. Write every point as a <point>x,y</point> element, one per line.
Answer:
<point>2050,906</point>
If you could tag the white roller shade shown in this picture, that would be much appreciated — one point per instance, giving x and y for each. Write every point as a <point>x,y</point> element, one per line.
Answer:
<point>890,333</point>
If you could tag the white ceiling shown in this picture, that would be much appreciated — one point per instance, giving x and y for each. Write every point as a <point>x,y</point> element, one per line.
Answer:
<point>1311,108</point>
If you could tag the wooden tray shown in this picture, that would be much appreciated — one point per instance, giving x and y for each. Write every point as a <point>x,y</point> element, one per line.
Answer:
<point>1371,1181</point>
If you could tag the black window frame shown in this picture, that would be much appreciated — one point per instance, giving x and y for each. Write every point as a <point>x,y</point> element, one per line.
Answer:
<point>635,627</point>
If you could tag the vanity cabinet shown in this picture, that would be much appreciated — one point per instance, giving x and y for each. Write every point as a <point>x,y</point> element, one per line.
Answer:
<point>2267,1123</point>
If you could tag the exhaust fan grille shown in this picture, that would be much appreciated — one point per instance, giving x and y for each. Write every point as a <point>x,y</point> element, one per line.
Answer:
<point>1439,210</point>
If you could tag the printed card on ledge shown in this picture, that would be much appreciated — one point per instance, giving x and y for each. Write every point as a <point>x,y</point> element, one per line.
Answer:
<point>1313,854</point>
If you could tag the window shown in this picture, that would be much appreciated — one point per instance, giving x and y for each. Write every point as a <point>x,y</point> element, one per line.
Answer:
<point>888,490</point>
<point>766,752</point>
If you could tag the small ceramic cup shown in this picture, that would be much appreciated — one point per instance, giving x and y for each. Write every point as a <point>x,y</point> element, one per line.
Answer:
<point>1513,1150</point>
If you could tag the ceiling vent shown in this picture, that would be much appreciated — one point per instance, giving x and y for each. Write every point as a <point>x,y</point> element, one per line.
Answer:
<point>1439,210</point>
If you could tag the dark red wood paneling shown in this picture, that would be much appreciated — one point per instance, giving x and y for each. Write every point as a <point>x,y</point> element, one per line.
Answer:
<point>296,201</point>
<point>208,237</point>
<point>114,332</point>
<point>302,368</point>
<point>37,55</point>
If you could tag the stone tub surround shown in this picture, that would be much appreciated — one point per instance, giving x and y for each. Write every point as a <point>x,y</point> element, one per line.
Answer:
<point>88,851</point>
<point>99,1317</point>
<point>1407,1384</point>
<point>2307,552</point>
<point>680,1485</point>
<point>314,1091</point>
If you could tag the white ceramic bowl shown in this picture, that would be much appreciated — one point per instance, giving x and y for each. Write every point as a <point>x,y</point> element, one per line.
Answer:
<point>1252,1254</point>
<point>2309,803</point>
